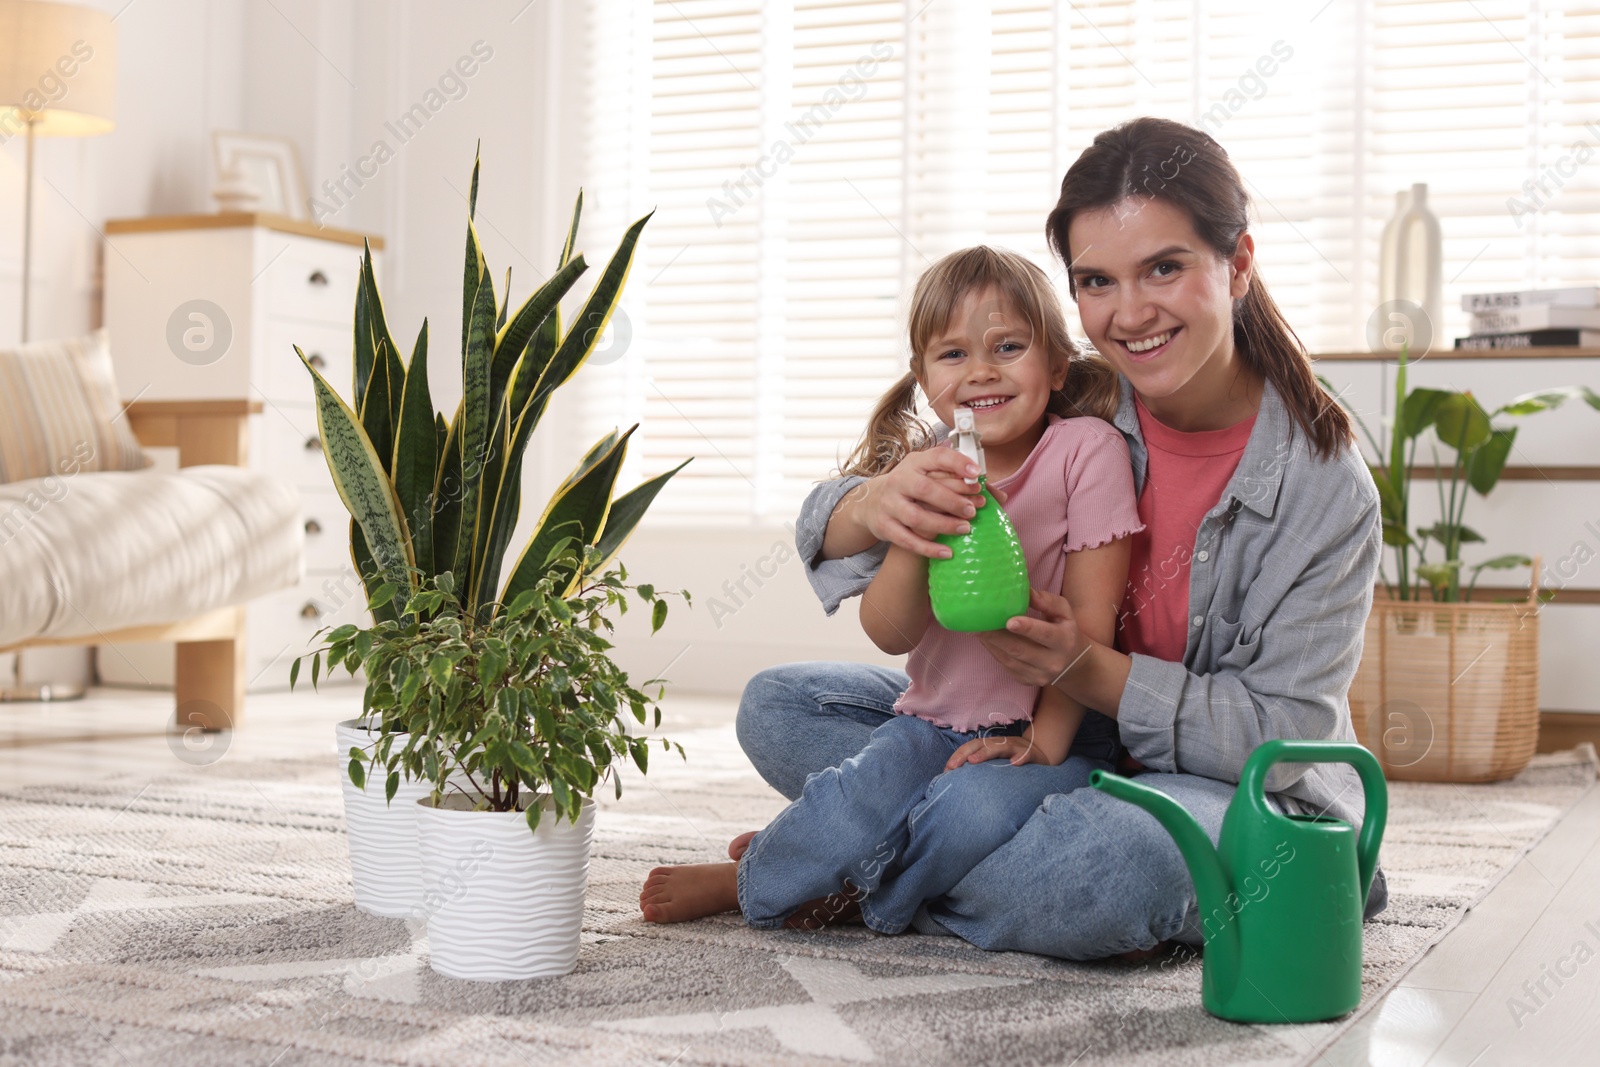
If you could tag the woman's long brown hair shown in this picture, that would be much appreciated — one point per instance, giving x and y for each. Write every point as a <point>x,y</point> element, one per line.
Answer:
<point>1165,160</point>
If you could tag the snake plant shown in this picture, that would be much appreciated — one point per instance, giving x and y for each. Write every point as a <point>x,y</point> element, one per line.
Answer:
<point>429,496</point>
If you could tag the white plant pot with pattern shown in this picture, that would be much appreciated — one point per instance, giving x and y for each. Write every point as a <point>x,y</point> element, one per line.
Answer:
<point>383,835</point>
<point>502,902</point>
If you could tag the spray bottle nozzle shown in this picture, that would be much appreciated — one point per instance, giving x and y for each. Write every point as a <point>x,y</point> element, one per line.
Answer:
<point>967,440</point>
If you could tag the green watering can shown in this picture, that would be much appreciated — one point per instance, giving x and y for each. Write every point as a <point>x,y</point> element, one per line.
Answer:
<point>1281,896</point>
<point>985,580</point>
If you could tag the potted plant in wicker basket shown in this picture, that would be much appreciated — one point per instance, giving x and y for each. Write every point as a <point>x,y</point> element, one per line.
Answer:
<point>492,710</point>
<point>1448,687</point>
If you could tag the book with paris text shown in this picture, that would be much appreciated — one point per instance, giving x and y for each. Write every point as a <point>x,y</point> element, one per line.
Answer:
<point>1587,296</point>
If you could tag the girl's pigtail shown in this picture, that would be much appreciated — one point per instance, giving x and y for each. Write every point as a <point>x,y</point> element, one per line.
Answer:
<point>893,432</point>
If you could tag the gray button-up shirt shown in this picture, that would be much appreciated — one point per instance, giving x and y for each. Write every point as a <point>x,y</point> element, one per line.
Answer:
<point>1280,586</point>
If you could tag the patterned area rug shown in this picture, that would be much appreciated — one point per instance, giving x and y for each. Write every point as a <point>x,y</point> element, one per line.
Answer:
<point>207,919</point>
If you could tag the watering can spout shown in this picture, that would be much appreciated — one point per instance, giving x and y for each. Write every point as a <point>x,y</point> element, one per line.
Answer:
<point>1212,883</point>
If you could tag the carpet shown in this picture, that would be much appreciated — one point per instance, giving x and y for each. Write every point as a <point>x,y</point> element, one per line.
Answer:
<point>206,918</point>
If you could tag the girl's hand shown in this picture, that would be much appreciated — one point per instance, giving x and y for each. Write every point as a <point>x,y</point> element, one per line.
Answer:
<point>1038,651</point>
<point>1018,750</point>
<point>921,497</point>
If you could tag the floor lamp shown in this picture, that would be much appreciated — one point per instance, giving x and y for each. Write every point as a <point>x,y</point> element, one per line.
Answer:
<point>58,78</point>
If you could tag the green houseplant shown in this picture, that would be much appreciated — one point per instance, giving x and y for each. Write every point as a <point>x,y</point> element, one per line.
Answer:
<point>1447,689</point>
<point>500,696</point>
<point>1480,450</point>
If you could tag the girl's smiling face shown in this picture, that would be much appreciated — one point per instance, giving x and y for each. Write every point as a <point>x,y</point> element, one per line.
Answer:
<point>1155,299</point>
<point>987,358</point>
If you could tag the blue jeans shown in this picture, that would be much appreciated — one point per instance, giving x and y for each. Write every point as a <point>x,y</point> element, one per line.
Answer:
<point>854,822</point>
<point>1086,876</point>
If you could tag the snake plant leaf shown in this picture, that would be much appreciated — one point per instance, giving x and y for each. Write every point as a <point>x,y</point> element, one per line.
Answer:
<point>542,345</point>
<point>362,346</point>
<point>358,475</point>
<point>498,503</point>
<point>626,511</point>
<point>379,324</point>
<point>505,305</point>
<point>569,355</point>
<point>447,497</point>
<point>472,196</point>
<point>473,268</point>
<point>579,511</point>
<point>587,329</point>
<point>375,410</point>
<point>416,457</point>
<point>502,500</point>
<point>476,439</point>
<point>511,349</point>
<point>1489,460</point>
<point>367,570</point>
<point>492,548</point>
<point>1461,423</point>
<point>572,230</point>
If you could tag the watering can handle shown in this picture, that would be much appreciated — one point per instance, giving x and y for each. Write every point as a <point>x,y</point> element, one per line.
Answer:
<point>1252,784</point>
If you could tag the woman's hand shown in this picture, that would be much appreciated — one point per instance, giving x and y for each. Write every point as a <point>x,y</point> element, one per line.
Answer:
<point>1038,651</point>
<point>1018,750</point>
<point>921,497</point>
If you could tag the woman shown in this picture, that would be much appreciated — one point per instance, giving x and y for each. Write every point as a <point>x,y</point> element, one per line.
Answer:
<point>1248,595</point>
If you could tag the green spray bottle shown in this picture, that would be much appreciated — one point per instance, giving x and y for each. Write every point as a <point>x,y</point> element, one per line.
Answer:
<point>985,580</point>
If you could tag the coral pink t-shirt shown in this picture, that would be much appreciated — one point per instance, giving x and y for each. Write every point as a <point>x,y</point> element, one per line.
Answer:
<point>1184,478</point>
<point>1074,491</point>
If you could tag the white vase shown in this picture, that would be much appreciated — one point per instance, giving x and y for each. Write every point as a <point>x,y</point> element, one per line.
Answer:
<point>1410,269</point>
<point>383,836</point>
<point>502,902</point>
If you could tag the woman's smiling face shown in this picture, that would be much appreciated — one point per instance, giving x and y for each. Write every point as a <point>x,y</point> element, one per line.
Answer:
<point>1155,299</point>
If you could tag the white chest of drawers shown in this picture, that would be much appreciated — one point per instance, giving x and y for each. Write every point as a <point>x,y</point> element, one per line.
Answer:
<point>210,307</point>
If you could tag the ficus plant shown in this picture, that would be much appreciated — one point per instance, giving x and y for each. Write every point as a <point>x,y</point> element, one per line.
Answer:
<point>506,688</point>
<point>528,703</point>
<point>1479,452</point>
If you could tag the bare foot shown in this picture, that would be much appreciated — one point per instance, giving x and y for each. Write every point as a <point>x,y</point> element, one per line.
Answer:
<point>678,894</point>
<point>740,845</point>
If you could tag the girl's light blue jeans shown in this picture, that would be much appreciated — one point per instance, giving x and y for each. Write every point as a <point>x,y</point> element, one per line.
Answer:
<point>855,823</point>
<point>1086,876</point>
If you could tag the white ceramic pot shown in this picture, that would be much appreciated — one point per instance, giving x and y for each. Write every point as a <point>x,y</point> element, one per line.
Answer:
<point>502,902</point>
<point>383,836</point>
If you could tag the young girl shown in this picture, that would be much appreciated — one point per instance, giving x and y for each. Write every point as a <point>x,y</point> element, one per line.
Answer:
<point>986,333</point>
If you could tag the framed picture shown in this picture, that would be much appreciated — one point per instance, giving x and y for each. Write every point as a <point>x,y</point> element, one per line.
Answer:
<point>268,165</point>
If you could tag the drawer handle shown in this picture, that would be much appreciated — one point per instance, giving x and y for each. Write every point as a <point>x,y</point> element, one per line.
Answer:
<point>311,611</point>
<point>313,443</point>
<point>317,361</point>
<point>313,526</point>
<point>317,278</point>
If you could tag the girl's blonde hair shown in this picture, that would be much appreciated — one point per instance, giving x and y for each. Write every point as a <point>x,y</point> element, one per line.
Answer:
<point>894,430</point>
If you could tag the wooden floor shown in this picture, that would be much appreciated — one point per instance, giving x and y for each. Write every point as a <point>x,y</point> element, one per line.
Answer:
<point>1518,982</point>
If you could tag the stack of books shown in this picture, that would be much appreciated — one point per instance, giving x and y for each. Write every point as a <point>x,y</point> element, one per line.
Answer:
<point>1533,318</point>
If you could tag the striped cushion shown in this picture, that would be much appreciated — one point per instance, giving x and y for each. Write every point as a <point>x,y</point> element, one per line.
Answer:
<point>59,412</point>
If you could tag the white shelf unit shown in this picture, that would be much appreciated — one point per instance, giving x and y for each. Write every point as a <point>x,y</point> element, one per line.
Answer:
<point>276,283</point>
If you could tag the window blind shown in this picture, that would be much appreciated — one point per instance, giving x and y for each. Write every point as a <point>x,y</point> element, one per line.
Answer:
<point>808,159</point>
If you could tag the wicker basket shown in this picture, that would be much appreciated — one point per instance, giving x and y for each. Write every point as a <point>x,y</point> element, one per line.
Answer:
<point>1450,692</point>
